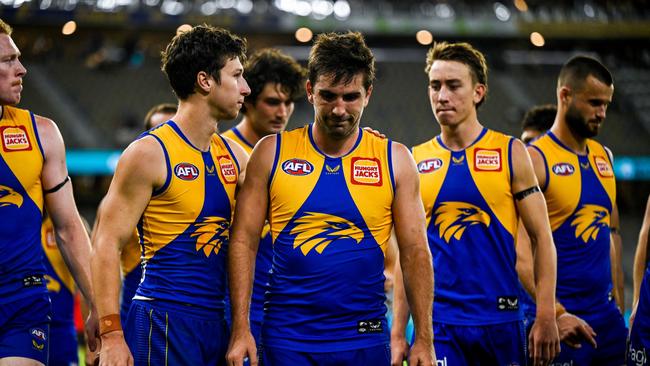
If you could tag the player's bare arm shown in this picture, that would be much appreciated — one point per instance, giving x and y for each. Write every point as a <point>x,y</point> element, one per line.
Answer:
<point>544,337</point>
<point>140,170</point>
<point>250,214</point>
<point>640,259</point>
<point>415,257</point>
<point>71,236</point>
<point>398,344</point>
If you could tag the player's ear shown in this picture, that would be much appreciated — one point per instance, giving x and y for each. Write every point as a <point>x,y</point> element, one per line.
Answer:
<point>204,82</point>
<point>310,91</point>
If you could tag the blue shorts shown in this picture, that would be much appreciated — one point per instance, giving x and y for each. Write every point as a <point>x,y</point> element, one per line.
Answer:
<point>375,356</point>
<point>63,345</point>
<point>496,344</point>
<point>638,348</point>
<point>163,333</point>
<point>610,338</point>
<point>25,328</point>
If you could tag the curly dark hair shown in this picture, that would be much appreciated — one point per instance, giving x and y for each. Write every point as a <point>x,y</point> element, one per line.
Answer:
<point>464,53</point>
<point>342,56</point>
<point>272,66</point>
<point>203,48</point>
<point>539,118</point>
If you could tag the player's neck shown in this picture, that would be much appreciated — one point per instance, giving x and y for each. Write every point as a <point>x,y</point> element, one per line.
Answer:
<point>197,124</point>
<point>333,147</point>
<point>460,136</point>
<point>576,143</point>
<point>244,127</point>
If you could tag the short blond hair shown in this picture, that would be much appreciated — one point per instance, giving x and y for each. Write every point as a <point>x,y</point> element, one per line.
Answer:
<point>5,28</point>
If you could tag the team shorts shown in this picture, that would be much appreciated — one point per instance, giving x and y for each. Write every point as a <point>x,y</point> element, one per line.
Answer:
<point>275,356</point>
<point>25,328</point>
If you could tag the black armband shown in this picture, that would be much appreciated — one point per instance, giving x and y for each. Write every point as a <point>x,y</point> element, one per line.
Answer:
<point>614,230</point>
<point>526,192</point>
<point>58,186</point>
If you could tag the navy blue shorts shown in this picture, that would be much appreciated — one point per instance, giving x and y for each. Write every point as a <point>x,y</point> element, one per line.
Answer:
<point>375,356</point>
<point>496,344</point>
<point>63,345</point>
<point>25,328</point>
<point>610,338</point>
<point>159,333</point>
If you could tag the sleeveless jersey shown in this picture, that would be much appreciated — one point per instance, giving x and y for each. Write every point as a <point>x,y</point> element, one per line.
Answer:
<point>580,191</point>
<point>60,283</point>
<point>21,206</point>
<point>184,228</point>
<point>330,222</point>
<point>264,253</point>
<point>131,272</point>
<point>471,224</point>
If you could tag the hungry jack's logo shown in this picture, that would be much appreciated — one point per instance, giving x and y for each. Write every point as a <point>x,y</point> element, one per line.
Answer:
<point>454,217</point>
<point>316,231</point>
<point>15,138</point>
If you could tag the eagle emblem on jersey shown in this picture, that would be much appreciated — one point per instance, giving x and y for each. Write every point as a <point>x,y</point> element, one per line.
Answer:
<point>211,234</point>
<point>316,231</point>
<point>589,220</point>
<point>10,197</point>
<point>454,217</point>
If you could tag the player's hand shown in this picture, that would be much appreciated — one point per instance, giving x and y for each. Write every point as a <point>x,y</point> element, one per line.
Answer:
<point>422,354</point>
<point>574,330</point>
<point>399,349</point>
<point>374,132</point>
<point>91,330</point>
<point>544,341</point>
<point>242,346</point>
<point>91,358</point>
<point>114,351</point>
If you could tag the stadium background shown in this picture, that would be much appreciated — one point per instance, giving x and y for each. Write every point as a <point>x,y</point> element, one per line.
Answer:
<point>93,67</point>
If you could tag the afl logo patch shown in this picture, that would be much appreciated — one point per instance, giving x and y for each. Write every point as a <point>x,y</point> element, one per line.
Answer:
<point>429,165</point>
<point>297,167</point>
<point>603,167</point>
<point>487,160</point>
<point>228,169</point>
<point>563,169</point>
<point>186,171</point>
<point>366,171</point>
<point>15,138</point>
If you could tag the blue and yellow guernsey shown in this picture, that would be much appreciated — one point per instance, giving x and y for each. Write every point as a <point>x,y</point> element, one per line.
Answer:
<point>59,280</point>
<point>264,257</point>
<point>330,222</point>
<point>184,229</point>
<point>471,225</point>
<point>580,192</point>
<point>21,206</point>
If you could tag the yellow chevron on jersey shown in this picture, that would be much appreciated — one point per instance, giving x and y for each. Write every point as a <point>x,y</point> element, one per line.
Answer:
<point>22,153</point>
<point>236,136</point>
<point>53,255</point>
<point>298,167</point>
<point>172,211</point>
<point>489,166</point>
<point>562,190</point>
<point>453,218</point>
